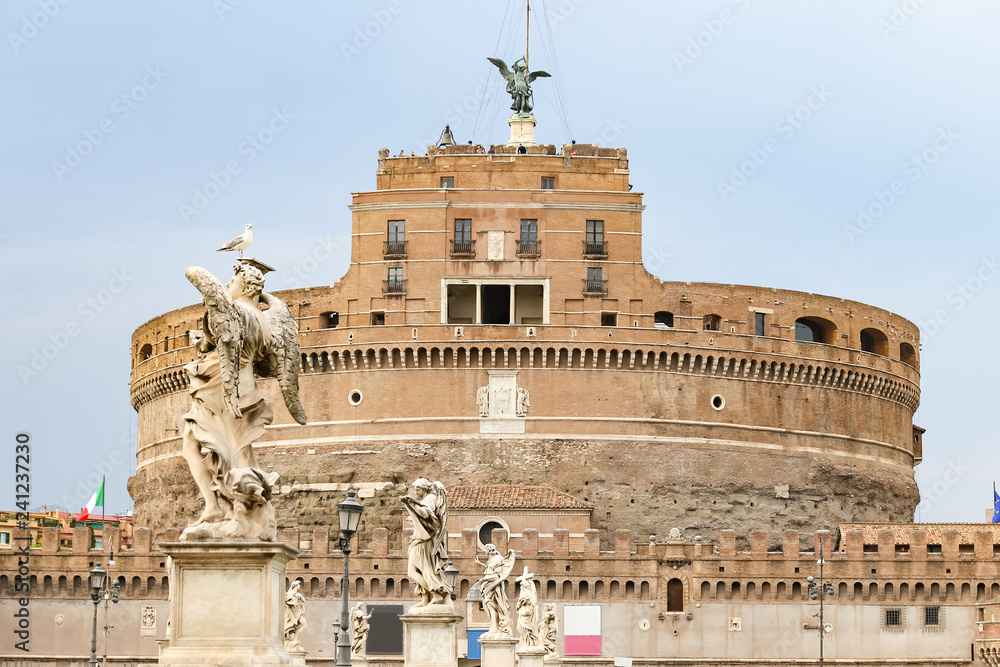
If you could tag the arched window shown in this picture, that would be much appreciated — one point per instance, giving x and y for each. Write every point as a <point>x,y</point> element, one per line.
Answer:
<point>907,354</point>
<point>145,352</point>
<point>663,318</point>
<point>875,342</point>
<point>675,595</point>
<point>329,320</point>
<point>711,323</point>
<point>815,330</point>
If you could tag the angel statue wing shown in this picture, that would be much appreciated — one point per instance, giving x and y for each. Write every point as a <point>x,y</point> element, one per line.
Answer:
<point>508,565</point>
<point>226,326</point>
<point>536,74</point>
<point>502,66</point>
<point>281,353</point>
<point>441,538</point>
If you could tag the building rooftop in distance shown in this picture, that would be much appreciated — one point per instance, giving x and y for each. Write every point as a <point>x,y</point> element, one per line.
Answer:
<point>513,497</point>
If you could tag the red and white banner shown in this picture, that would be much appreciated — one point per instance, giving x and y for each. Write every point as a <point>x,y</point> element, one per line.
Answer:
<point>582,629</point>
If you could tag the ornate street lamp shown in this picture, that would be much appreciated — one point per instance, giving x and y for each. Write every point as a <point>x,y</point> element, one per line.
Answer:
<point>349,513</point>
<point>451,577</point>
<point>819,591</point>
<point>97,578</point>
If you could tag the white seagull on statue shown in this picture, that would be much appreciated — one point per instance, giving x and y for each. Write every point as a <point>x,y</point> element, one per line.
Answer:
<point>241,242</point>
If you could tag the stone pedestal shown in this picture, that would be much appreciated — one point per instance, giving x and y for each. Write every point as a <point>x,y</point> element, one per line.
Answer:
<point>522,131</point>
<point>498,650</point>
<point>299,658</point>
<point>227,604</point>
<point>430,637</point>
<point>531,657</point>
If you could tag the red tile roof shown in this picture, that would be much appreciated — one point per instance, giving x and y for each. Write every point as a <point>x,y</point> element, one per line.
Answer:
<point>512,497</point>
<point>966,531</point>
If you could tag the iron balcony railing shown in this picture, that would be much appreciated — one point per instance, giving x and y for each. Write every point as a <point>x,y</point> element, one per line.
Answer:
<point>595,248</point>
<point>463,248</point>
<point>394,286</point>
<point>394,248</point>
<point>595,286</point>
<point>528,249</point>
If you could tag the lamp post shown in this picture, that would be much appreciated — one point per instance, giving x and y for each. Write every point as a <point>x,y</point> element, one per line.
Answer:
<point>97,578</point>
<point>349,513</point>
<point>819,591</point>
<point>451,577</point>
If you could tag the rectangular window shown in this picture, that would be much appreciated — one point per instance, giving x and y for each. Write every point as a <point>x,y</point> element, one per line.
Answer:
<point>932,616</point>
<point>395,231</point>
<point>595,273</point>
<point>933,548</point>
<point>759,324</point>
<point>609,319</point>
<point>893,618</point>
<point>595,232</point>
<point>378,319</point>
<point>529,231</point>
<point>463,231</point>
<point>395,274</point>
<point>4,538</point>
<point>395,283</point>
<point>548,183</point>
<point>447,182</point>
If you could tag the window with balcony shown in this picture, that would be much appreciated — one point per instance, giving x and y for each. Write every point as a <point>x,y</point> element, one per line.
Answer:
<point>595,282</point>
<point>395,243</point>
<point>395,284</point>
<point>548,182</point>
<point>447,181</point>
<point>527,245</point>
<point>594,245</point>
<point>463,245</point>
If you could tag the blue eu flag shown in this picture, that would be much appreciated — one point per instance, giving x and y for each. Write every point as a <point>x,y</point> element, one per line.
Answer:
<point>996,507</point>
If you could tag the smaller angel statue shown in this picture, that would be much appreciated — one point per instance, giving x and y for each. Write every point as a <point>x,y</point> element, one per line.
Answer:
<point>492,585</point>
<point>295,621</point>
<point>519,84</point>
<point>528,615</point>
<point>428,549</point>
<point>550,623</point>
<point>359,628</point>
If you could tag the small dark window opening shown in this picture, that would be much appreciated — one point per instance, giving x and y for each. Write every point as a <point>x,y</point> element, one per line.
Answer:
<point>329,320</point>
<point>808,331</point>
<point>932,615</point>
<point>378,319</point>
<point>663,318</point>
<point>870,549</point>
<point>933,548</point>
<point>712,323</point>
<point>759,324</point>
<point>145,352</point>
<point>486,531</point>
<point>675,595</point>
<point>548,183</point>
<point>495,302</point>
<point>609,319</point>
<point>447,182</point>
<point>893,617</point>
<point>867,342</point>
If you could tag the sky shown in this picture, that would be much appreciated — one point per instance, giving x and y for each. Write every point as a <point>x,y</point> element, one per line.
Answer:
<point>839,147</point>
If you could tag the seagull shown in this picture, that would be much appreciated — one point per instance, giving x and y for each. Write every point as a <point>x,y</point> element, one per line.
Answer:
<point>241,242</point>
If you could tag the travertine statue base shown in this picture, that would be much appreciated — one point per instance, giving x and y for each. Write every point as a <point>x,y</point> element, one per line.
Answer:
<point>430,637</point>
<point>522,131</point>
<point>299,658</point>
<point>498,650</point>
<point>227,604</point>
<point>531,657</point>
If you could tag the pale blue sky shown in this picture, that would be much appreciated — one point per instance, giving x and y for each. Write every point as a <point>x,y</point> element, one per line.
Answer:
<point>688,87</point>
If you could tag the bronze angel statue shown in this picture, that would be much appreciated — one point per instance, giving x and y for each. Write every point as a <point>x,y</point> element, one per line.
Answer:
<point>427,554</point>
<point>497,568</point>
<point>519,84</point>
<point>247,333</point>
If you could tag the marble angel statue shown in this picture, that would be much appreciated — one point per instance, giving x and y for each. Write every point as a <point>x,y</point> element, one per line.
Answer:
<point>427,553</point>
<point>498,568</point>
<point>247,333</point>
<point>359,628</point>
<point>528,613</point>
<point>550,627</point>
<point>295,620</point>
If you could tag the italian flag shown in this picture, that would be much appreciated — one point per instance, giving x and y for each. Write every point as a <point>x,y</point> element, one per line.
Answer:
<point>95,500</point>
